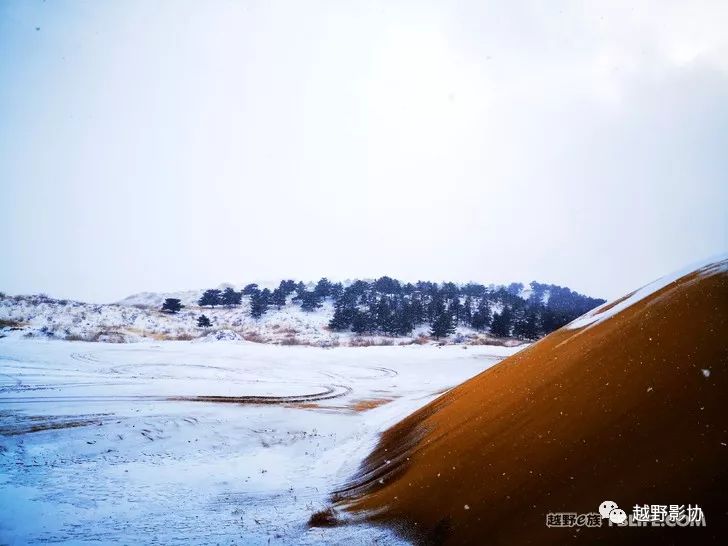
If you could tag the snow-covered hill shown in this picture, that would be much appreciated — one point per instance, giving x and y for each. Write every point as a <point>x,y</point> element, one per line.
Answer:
<point>189,297</point>
<point>138,317</point>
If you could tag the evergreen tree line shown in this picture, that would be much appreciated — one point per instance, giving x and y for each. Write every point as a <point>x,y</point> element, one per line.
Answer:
<point>390,307</point>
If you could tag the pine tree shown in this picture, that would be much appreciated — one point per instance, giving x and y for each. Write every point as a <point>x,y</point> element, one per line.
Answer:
<point>203,322</point>
<point>467,312</point>
<point>515,288</point>
<point>300,291</point>
<point>360,322</point>
<point>501,324</point>
<point>387,285</point>
<point>417,310</point>
<point>455,310</point>
<point>337,289</point>
<point>210,298</point>
<point>358,290</point>
<point>259,303</point>
<point>450,290</point>
<point>481,318</point>
<point>250,289</point>
<point>550,321</point>
<point>403,322</point>
<point>310,301</point>
<point>230,297</point>
<point>442,326</point>
<point>436,307</point>
<point>323,288</point>
<point>382,316</point>
<point>287,287</point>
<point>342,318</point>
<point>528,326</point>
<point>278,297</point>
<point>172,305</point>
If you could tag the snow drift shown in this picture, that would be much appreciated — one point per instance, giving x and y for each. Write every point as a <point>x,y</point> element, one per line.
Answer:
<point>627,404</point>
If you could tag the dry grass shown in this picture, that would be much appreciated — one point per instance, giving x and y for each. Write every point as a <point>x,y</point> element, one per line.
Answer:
<point>290,340</point>
<point>368,404</point>
<point>360,342</point>
<point>304,405</point>
<point>6,323</point>
<point>496,341</point>
<point>44,423</point>
<point>182,337</point>
<point>419,340</point>
<point>369,342</point>
<point>147,334</point>
<point>254,337</point>
<point>109,336</point>
<point>77,337</point>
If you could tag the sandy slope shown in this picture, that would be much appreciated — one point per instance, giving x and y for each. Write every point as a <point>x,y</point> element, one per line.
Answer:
<point>632,409</point>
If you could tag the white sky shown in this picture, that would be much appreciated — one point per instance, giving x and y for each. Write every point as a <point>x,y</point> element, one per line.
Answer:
<point>172,145</point>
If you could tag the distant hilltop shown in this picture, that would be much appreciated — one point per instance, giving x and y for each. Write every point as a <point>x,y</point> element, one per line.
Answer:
<point>358,312</point>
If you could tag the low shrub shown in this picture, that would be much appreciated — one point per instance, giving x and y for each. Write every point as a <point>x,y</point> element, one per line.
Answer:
<point>254,337</point>
<point>7,323</point>
<point>369,342</point>
<point>323,518</point>
<point>77,337</point>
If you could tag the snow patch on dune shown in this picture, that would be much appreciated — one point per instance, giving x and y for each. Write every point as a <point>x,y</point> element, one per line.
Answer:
<point>710,266</point>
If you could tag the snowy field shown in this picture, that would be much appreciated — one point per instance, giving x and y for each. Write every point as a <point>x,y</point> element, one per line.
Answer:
<point>205,443</point>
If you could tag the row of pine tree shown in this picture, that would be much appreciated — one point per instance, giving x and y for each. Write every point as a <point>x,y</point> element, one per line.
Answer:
<point>390,307</point>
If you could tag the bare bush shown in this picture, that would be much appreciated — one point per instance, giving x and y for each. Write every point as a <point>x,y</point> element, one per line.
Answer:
<point>369,342</point>
<point>360,342</point>
<point>109,336</point>
<point>77,337</point>
<point>323,518</point>
<point>7,323</point>
<point>254,337</point>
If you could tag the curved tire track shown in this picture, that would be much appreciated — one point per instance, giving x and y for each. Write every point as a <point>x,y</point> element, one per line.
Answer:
<point>328,392</point>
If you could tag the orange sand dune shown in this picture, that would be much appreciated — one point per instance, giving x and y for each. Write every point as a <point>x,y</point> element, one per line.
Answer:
<point>619,410</point>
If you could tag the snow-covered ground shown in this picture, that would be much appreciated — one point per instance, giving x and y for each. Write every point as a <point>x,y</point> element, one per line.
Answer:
<point>108,443</point>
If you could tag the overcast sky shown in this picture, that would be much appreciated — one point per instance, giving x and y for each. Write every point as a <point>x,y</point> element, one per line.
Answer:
<point>173,145</point>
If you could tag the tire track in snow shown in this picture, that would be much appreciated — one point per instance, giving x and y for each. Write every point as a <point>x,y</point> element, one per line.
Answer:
<point>328,392</point>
